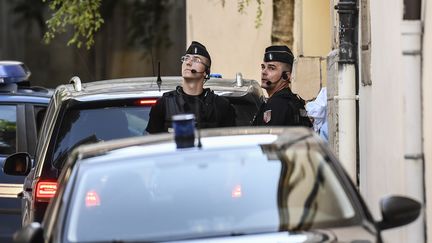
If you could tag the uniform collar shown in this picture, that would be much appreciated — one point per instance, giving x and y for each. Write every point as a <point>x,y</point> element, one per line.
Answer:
<point>283,92</point>
<point>204,94</point>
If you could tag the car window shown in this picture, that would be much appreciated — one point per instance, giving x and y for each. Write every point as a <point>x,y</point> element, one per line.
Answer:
<point>7,129</point>
<point>80,126</point>
<point>46,123</point>
<point>210,193</point>
<point>39,112</point>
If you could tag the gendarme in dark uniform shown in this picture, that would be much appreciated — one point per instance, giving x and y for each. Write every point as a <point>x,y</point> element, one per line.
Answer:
<point>210,109</point>
<point>283,107</point>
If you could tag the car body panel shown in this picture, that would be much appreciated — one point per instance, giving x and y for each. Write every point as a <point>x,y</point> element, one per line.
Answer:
<point>28,102</point>
<point>15,99</point>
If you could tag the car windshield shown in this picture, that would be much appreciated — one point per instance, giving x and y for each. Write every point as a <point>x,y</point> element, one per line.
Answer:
<point>81,126</point>
<point>206,193</point>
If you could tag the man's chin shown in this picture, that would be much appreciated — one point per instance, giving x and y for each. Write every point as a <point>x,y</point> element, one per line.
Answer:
<point>189,79</point>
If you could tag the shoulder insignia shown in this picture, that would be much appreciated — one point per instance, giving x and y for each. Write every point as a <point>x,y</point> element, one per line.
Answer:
<point>267,116</point>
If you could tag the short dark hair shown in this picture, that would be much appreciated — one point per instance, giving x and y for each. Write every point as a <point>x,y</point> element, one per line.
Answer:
<point>286,67</point>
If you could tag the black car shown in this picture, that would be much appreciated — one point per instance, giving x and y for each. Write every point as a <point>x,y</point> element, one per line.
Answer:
<point>21,112</point>
<point>100,111</point>
<point>268,184</point>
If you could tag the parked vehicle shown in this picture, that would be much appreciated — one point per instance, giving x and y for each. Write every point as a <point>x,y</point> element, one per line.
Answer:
<point>268,184</point>
<point>100,111</point>
<point>22,109</point>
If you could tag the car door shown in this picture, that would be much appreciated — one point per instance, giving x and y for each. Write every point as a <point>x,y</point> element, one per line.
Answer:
<point>18,133</point>
<point>45,121</point>
<point>10,186</point>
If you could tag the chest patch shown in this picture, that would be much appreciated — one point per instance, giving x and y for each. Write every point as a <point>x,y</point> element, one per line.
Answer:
<point>267,116</point>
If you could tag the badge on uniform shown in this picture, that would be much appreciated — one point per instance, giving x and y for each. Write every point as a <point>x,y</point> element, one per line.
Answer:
<point>267,116</point>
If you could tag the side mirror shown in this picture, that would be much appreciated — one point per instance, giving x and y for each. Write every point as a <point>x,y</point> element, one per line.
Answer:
<point>397,211</point>
<point>17,164</point>
<point>31,233</point>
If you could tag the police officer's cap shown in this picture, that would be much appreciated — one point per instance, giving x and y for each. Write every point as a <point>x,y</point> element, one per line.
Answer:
<point>278,54</point>
<point>197,48</point>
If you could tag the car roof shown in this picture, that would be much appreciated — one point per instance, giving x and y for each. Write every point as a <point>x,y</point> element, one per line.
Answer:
<point>154,145</point>
<point>34,94</point>
<point>146,87</point>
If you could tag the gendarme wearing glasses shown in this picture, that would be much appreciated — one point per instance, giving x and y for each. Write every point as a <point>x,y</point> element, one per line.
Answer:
<point>210,109</point>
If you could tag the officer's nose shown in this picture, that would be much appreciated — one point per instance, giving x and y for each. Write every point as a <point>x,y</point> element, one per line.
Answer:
<point>188,61</point>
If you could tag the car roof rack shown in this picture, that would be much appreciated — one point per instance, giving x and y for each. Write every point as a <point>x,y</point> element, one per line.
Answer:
<point>239,79</point>
<point>39,89</point>
<point>76,82</point>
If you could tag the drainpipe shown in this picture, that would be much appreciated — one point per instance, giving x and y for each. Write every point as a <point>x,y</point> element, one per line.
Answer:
<point>347,98</point>
<point>414,164</point>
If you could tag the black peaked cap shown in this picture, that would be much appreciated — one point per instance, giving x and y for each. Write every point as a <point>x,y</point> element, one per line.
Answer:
<point>278,54</point>
<point>197,48</point>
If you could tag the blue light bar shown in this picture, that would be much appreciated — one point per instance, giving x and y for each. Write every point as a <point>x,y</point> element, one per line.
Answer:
<point>215,75</point>
<point>184,130</point>
<point>13,72</point>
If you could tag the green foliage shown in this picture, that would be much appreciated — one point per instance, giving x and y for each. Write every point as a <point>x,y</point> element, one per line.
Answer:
<point>7,126</point>
<point>242,4</point>
<point>83,15</point>
<point>147,25</point>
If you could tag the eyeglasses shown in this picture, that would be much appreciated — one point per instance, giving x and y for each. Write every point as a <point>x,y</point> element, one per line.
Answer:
<point>192,59</point>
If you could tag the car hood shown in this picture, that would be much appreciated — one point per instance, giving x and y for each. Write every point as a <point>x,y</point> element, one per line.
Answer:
<point>279,237</point>
<point>345,234</point>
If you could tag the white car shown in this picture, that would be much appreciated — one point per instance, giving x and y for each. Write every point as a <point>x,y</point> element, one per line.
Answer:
<point>268,184</point>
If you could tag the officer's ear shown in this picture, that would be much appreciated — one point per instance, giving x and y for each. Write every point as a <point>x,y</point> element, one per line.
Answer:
<point>284,75</point>
<point>207,73</point>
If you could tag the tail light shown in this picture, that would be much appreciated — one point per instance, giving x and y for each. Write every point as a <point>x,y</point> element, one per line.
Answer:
<point>92,199</point>
<point>236,192</point>
<point>45,190</point>
<point>146,102</point>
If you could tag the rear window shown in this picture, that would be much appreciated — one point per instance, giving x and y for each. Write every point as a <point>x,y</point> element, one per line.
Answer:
<point>207,193</point>
<point>80,126</point>
<point>7,129</point>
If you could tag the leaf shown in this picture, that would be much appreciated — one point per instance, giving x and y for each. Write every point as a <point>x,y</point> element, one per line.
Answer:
<point>82,15</point>
<point>243,4</point>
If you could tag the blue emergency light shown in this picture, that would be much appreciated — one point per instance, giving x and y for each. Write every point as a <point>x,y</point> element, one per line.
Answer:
<point>184,130</point>
<point>215,75</point>
<point>13,72</point>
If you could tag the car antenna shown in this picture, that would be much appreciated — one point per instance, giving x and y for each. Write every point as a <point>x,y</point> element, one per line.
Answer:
<point>159,80</point>
<point>198,106</point>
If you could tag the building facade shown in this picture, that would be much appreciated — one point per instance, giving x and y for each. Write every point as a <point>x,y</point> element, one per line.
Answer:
<point>392,90</point>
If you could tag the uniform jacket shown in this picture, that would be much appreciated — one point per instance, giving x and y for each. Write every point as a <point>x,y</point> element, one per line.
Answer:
<point>210,110</point>
<point>280,111</point>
